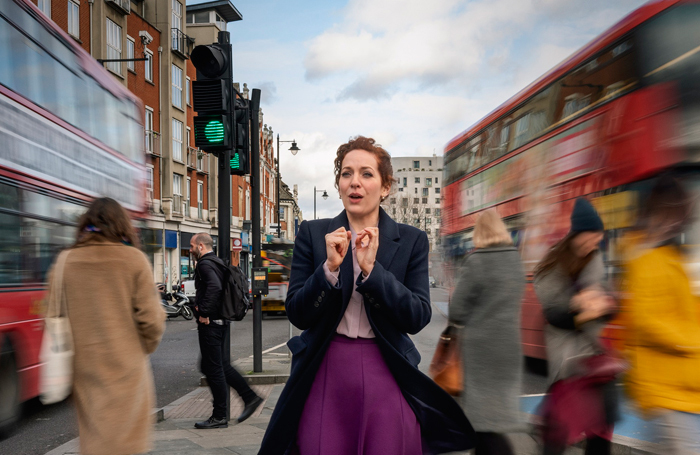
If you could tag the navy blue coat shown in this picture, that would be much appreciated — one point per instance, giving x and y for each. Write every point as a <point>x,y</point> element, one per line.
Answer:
<point>397,301</point>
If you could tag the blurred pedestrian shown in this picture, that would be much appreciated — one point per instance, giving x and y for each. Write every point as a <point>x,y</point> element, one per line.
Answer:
<point>486,307</point>
<point>358,287</point>
<point>663,322</point>
<point>117,321</point>
<point>209,281</point>
<point>570,285</point>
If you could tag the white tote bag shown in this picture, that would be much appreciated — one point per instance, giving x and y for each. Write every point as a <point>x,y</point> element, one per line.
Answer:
<point>56,355</point>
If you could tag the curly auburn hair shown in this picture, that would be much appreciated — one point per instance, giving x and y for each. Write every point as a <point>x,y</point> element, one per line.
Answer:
<point>386,171</point>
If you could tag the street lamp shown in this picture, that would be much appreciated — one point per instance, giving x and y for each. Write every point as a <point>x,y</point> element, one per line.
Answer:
<point>324,196</point>
<point>294,149</point>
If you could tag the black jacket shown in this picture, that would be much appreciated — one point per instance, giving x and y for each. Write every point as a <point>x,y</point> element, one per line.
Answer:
<point>208,280</point>
<point>397,302</point>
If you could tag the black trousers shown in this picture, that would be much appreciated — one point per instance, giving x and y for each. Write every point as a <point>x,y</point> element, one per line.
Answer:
<point>218,370</point>
<point>492,444</point>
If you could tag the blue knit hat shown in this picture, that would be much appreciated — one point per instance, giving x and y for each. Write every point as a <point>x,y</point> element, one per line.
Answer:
<point>584,217</point>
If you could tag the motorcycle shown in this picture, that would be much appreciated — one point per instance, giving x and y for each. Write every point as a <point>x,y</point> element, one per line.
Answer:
<point>181,306</point>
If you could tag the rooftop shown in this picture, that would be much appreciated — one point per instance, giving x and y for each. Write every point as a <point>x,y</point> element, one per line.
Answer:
<point>224,7</point>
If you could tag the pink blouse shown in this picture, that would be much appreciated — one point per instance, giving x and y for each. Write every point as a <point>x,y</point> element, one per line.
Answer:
<point>354,323</point>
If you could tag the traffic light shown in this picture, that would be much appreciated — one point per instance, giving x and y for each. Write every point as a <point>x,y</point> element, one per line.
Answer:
<point>239,154</point>
<point>212,97</point>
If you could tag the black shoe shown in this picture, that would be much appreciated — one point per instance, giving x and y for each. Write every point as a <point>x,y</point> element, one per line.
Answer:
<point>211,422</point>
<point>250,409</point>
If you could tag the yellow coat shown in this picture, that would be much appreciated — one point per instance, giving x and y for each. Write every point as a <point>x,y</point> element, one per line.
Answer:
<point>662,333</point>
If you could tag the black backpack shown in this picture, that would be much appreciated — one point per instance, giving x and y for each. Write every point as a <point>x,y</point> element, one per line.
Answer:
<point>235,298</point>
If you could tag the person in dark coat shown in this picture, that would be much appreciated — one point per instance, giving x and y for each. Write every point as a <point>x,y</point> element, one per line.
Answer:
<point>358,287</point>
<point>570,285</point>
<point>486,307</point>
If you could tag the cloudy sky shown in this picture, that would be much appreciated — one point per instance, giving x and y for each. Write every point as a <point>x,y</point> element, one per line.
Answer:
<point>412,74</point>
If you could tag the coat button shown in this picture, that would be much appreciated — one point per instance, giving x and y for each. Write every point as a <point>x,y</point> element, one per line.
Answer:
<point>316,304</point>
<point>376,305</point>
<point>371,300</point>
<point>323,293</point>
<point>320,298</point>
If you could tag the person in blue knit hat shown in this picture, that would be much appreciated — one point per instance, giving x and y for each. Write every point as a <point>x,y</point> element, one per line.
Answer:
<point>570,285</point>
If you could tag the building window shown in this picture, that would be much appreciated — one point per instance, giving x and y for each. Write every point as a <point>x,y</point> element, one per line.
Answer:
<point>416,200</point>
<point>220,22</point>
<point>392,200</point>
<point>148,66</point>
<point>404,202</point>
<point>149,182</point>
<point>177,86</point>
<point>114,46</point>
<point>425,200</point>
<point>45,7</point>
<point>430,162</point>
<point>401,189</point>
<point>188,200</point>
<point>177,16</point>
<point>427,210</point>
<point>130,53</point>
<point>393,211</point>
<point>200,200</point>
<point>74,18</point>
<point>148,126</point>
<point>437,200</point>
<point>428,221</point>
<point>415,210</point>
<point>416,180</point>
<point>187,91</point>
<point>415,190</point>
<point>428,182</point>
<point>177,140</point>
<point>437,190</point>
<point>416,165</point>
<point>438,212</point>
<point>425,192</point>
<point>177,193</point>
<point>405,181</point>
<point>436,180</point>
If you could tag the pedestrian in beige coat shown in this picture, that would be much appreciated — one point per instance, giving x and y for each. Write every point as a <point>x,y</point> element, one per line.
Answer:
<point>117,321</point>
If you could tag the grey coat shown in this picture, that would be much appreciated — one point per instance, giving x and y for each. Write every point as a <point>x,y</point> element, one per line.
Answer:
<point>487,302</point>
<point>566,343</point>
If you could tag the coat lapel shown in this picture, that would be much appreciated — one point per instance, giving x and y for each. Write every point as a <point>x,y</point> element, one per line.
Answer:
<point>346,268</point>
<point>388,239</point>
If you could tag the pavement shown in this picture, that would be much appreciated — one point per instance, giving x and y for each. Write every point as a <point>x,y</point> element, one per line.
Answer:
<point>175,433</point>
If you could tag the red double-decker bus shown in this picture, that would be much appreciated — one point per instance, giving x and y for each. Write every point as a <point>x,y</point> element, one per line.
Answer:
<point>602,124</point>
<point>68,133</point>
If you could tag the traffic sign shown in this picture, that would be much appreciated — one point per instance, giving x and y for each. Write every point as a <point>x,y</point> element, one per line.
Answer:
<point>237,245</point>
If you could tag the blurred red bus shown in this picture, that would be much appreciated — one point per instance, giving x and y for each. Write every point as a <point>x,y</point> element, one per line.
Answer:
<point>68,132</point>
<point>602,124</point>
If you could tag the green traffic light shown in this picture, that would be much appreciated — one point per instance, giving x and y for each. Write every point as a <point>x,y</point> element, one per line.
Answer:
<point>235,161</point>
<point>214,131</point>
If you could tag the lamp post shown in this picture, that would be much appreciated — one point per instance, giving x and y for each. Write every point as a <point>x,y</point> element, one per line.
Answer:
<point>324,196</point>
<point>294,149</point>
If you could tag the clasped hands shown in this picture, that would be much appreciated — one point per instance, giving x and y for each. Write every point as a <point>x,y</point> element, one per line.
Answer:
<point>592,303</point>
<point>366,244</point>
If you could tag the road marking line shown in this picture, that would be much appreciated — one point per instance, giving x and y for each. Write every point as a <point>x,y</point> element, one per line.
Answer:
<point>273,349</point>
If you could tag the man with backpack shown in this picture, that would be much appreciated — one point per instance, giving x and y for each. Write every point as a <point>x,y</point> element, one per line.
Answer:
<point>214,308</point>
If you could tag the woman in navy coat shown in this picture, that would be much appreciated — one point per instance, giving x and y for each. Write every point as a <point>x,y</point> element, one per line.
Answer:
<point>358,288</point>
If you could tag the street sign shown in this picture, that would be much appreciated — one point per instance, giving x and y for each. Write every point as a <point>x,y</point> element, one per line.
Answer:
<point>237,245</point>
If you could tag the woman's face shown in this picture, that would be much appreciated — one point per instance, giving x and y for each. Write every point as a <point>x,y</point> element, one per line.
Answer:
<point>586,242</point>
<point>360,183</point>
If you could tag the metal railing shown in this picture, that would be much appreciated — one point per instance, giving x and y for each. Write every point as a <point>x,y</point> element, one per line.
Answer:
<point>177,203</point>
<point>151,142</point>
<point>181,43</point>
<point>192,157</point>
<point>124,5</point>
<point>197,159</point>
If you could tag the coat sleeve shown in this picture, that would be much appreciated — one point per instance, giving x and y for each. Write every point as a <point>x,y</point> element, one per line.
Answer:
<point>649,315</point>
<point>555,303</point>
<point>148,315</point>
<point>465,294</point>
<point>211,301</point>
<point>407,303</point>
<point>310,294</point>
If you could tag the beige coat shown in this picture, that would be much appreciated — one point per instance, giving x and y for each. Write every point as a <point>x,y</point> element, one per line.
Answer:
<point>117,322</point>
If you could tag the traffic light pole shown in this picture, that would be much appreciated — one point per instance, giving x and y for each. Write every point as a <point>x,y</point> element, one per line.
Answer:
<point>255,198</point>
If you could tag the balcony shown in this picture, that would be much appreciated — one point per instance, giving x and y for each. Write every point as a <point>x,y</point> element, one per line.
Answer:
<point>196,159</point>
<point>182,44</point>
<point>152,144</point>
<point>123,5</point>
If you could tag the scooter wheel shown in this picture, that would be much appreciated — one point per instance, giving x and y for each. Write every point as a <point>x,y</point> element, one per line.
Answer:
<point>187,313</point>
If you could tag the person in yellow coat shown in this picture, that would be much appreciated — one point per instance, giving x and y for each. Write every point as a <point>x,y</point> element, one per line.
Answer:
<point>663,322</point>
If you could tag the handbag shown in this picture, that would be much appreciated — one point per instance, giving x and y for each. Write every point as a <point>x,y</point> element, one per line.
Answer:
<point>604,367</point>
<point>446,366</point>
<point>57,350</point>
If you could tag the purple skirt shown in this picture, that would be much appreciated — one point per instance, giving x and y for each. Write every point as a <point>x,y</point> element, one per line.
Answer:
<point>355,406</point>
